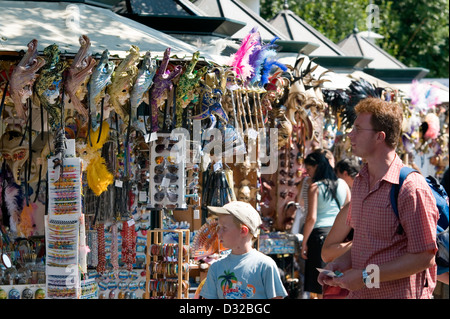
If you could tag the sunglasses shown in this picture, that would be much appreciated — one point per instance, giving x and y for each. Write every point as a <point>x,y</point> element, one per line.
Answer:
<point>163,139</point>
<point>161,206</point>
<point>173,197</point>
<point>161,148</point>
<point>171,188</point>
<point>283,164</point>
<point>290,182</point>
<point>284,156</point>
<point>161,159</point>
<point>172,168</point>
<point>158,178</point>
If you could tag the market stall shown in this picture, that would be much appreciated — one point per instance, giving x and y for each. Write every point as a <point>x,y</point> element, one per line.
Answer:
<point>109,162</point>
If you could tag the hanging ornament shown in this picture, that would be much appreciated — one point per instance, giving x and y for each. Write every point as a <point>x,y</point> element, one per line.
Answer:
<point>23,78</point>
<point>114,250</point>
<point>77,74</point>
<point>122,80</point>
<point>101,253</point>
<point>101,77</point>
<point>49,83</point>
<point>144,80</point>
<point>128,244</point>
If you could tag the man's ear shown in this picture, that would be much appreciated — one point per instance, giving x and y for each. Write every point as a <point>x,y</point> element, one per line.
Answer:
<point>381,136</point>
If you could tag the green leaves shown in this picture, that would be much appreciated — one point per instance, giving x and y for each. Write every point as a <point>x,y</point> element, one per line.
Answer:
<point>416,32</point>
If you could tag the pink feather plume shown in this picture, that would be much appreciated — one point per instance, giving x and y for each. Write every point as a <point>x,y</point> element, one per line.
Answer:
<point>240,60</point>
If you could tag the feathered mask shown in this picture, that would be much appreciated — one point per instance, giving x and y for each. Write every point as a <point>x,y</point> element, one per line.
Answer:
<point>423,96</point>
<point>11,199</point>
<point>262,60</point>
<point>239,61</point>
<point>356,92</point>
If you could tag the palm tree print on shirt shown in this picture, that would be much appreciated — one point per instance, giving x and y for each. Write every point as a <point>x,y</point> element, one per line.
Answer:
<point>227,280</point>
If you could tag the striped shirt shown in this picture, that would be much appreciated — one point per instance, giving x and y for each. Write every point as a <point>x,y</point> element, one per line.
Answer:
<point>375,238</point>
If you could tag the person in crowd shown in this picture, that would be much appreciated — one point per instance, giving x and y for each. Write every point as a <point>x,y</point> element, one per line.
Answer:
<point>302,194</point>
<point>289,215</point>
<point>302,204</point>
<point>445,181</point>
<point>328,155</point>
<point>245,273</point>
<point>326,195</point>
<point>386,261</point>
<point>339,239</point>
<point>347,169</point>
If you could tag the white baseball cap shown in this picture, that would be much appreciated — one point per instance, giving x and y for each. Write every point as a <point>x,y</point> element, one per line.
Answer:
<point>243,211</point>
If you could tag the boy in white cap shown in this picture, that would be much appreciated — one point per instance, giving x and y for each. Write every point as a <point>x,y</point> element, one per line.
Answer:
<point>245,273</point>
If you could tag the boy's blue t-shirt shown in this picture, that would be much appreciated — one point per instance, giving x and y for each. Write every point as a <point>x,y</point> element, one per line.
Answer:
<point>249,276</point>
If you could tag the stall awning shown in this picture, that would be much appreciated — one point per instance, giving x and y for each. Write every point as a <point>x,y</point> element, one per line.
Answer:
<point>63,23</point>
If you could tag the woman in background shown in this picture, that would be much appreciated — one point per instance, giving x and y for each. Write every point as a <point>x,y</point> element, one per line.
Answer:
<point>326,195</point>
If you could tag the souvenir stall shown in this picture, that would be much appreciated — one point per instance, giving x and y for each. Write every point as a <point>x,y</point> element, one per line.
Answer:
<point>109,164</point>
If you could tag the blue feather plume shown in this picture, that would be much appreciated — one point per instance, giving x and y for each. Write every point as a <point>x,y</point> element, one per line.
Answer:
<point>256,60</point>
<point>267,66</point>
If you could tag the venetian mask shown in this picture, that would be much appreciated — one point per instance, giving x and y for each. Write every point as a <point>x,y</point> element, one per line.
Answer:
<point>244,194</point>
<point>41,149</point>
<point>329,137</point>
<point>14,152</point>
<point>284,132</point>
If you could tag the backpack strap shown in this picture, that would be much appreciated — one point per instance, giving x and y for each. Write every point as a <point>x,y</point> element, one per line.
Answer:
<point>404,172</point>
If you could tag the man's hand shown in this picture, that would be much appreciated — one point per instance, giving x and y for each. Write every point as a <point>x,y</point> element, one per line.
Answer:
<point>351,280</point>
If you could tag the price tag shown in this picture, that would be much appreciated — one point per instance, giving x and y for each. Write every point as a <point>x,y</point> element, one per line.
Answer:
<point>252,134</point>
<point>118,183</point>
<point>196,214</point>
<point>217,166</point>
<point>153,136</point>
<point>130,222</point>
<point>165,182</point>
<point>142,196</point>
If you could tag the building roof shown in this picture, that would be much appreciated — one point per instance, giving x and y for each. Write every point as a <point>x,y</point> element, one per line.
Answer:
<point>383,65</point>
<point>355,44</point>
<point>327,53</point>
<point>297,29</point>
<point>180,18</point>
<point>236,10</point>
<point>159,7</point>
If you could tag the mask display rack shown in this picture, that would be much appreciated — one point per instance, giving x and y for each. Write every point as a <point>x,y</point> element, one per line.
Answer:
<point>167,266</point>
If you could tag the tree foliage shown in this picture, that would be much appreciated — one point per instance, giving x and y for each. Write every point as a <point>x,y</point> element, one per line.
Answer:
<point>416,32</point>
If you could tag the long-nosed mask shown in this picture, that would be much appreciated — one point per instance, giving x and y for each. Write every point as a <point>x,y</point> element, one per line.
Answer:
<point>41,150</point>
